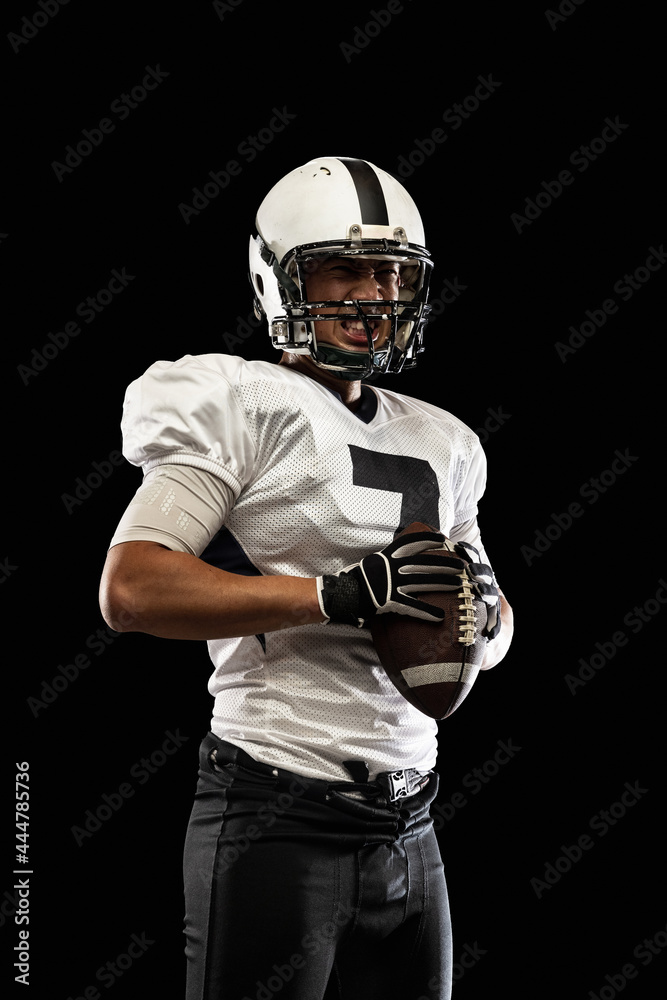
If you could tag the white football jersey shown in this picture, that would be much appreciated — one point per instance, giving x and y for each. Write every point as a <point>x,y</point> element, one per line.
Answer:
<point>316,488</point>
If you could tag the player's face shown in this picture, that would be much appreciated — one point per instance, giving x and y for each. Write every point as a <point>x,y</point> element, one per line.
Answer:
<point>342,278</point>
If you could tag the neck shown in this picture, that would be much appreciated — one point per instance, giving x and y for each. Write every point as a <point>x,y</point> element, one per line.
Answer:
<point>349,392</point>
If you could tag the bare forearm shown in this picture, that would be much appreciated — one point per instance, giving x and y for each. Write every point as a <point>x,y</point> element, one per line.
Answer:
<point>177,596</point>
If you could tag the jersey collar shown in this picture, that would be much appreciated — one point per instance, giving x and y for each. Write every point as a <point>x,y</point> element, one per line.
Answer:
<point>367,407</point>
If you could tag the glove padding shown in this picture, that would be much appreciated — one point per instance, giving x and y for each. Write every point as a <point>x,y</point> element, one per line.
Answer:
<point>383,581</point>
<point>484,584</point>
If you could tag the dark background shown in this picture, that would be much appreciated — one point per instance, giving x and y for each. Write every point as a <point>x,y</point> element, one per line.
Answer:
<point>491,354</point>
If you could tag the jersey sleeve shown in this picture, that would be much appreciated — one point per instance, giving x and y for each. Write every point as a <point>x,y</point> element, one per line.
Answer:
<point>468,531</point>
<point>472,485</point>
<point>465,527</point>
<point>186,412</point>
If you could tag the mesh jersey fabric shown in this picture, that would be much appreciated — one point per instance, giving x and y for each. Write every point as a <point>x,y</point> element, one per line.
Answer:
<point>316,488</point>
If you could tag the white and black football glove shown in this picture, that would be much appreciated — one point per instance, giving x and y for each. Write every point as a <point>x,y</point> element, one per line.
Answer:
<point>383,581</point>
<point>484,584</point>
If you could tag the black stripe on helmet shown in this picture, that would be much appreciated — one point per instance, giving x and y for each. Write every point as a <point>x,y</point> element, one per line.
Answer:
<point>369,192</point>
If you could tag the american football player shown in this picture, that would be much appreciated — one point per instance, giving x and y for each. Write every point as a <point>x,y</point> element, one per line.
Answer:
<point>266,524</point>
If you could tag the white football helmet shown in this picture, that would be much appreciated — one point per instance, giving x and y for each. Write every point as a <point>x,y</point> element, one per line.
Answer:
<point>338,206</point>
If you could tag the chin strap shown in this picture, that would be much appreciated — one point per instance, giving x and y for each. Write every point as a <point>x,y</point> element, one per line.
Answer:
<point>328,355</point>
<point>286,281</point>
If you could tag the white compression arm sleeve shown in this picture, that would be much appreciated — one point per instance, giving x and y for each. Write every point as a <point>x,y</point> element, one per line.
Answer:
<point>178,506</point>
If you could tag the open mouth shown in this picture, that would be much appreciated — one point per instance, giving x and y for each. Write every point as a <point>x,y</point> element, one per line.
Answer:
<point>356,331</point>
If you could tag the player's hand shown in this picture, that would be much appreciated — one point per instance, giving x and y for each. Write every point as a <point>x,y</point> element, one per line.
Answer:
<point>383,581</point>
<point>484,583</point>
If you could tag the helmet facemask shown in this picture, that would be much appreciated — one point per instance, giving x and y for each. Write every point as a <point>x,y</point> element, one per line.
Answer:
<point>293,329</point>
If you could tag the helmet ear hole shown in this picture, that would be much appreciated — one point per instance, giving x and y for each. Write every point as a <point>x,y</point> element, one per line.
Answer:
<point>259,284</point>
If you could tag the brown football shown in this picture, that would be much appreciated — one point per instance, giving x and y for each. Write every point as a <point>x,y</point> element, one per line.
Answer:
<point>432,664</point>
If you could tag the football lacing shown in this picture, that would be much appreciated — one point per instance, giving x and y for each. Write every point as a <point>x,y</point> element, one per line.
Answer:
<point>467,615</point>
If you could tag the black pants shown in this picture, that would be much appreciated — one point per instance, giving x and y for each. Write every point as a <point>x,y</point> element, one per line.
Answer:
<point>297,892</point>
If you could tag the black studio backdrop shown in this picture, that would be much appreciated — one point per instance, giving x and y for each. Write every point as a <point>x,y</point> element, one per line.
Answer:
<point>139,143</point>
